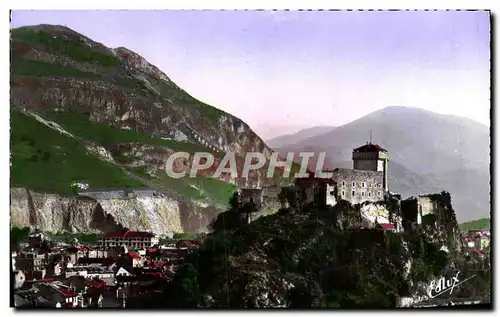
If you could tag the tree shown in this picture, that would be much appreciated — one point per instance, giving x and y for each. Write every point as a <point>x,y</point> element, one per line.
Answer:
<point>231,217</point>
<point>17,235</point>
<point>185,289</point>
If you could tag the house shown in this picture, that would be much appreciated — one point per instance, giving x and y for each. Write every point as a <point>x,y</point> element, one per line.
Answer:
<point>136,258</point>
<point>80,185</point>
<point>130,239</point>
<point>122,272</point>
<point>19,279</point>
<point>481,242</point>
<point>57,295</point>
<point>469,242</point>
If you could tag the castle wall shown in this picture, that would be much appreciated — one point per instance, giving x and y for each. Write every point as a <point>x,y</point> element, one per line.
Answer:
<point>425,205</point>
<point>367,165</point>
<point>271,192</point>
<point>248,194</point>
<point>368,185</point>
<point>331,200</point>
<point>365,156</point>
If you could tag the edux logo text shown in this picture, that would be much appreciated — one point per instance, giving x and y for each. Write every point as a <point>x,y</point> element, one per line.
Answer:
<point>443,285</point>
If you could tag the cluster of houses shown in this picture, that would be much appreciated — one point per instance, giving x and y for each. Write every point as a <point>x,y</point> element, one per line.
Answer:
<point>477,241</point>
<point>126,268</point>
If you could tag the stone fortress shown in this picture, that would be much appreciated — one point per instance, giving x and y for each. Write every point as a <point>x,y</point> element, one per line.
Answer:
<point>366,184</point>
<point>367,181</point>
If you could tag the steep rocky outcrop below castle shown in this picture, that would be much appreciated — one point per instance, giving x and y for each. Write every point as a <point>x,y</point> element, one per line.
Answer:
<point>437,219</point>
<point>317,256</point>
<point>107,213</point>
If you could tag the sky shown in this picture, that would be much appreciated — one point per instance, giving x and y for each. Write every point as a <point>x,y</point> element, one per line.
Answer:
<point>310,68</point>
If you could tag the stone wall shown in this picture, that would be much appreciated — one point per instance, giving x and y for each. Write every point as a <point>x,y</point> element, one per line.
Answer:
<point>118,193</point>
<point>368,185</point>
<point>439,222</point>
<point>271,192</point>
<point>366,165</point>
<point>251,194</point>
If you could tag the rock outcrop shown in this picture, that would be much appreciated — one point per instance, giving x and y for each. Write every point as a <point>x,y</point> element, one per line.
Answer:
<point>124,90</point>
<point>107,213</point>
<point>321,256</point>
<point>434,214</point>
<point>129,114</point>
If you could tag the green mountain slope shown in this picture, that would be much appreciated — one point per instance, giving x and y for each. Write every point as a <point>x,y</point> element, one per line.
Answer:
<point>121,114</point>
<point>46,160</point>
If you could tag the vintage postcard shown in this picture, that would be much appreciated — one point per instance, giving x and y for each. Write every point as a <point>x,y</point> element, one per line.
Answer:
<point>250,159</point>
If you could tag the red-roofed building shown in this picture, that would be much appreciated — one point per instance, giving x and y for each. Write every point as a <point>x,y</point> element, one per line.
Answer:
<point>386,226</point>
<point>134,259</point>
<point>130,239</point>
<point>134,255</point>
<point>58,293</point>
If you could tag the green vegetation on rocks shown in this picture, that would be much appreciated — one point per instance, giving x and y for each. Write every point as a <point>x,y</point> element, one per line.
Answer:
<point>81,237</point>
<point>46,160</point>
<point>18,235</point>
<point>29,67</point>
<point>301,258</point>
<point>478,224</point>
<point>81,125</point>
<point>73,48</point>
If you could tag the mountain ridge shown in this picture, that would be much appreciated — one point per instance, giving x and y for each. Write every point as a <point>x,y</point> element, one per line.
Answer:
<point>427,151</point>
<point>124,117</point>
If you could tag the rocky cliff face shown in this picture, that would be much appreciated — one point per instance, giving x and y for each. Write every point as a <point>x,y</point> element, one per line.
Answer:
<point>117,87</point>
<point>434,214</point>
<point>128,114</point>
<point>159,214</point>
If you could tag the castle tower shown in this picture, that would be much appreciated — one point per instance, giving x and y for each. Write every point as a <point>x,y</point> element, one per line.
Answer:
<point>372,157</point>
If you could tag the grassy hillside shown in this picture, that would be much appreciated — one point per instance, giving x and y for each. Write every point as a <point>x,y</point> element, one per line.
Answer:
<point>483,223</point>
<point>45,160</point>
<point>80,125</point>
<point>55,68</point>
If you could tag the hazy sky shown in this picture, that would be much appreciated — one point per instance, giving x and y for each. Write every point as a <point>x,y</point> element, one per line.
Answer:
<point>305,68</point>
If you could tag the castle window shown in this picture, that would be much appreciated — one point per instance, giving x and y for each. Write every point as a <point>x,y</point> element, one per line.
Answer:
<point>370,185</point>
<point>379,193</point>
<point>369,194</point>
<point>353,193</point>
<point>343,193</point>
<point>379,185</point>
<point>363,194</point>
<point>363,184</point>
<point>343,183</point>
<point>353,184</point>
